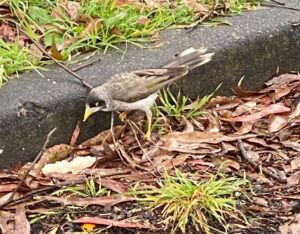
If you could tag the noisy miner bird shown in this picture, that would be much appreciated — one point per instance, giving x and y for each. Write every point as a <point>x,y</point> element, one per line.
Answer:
<point>137,90</point>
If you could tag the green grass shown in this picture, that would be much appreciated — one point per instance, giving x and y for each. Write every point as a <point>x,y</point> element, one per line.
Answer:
<point>15,59</point>
<point>184,200</point>
<point>91,189</point>
<point>178,106</point>
<point>99,25</point>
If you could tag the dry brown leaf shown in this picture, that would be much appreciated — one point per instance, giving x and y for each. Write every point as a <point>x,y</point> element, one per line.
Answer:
<point>261,201</point>
<point>260,179</point>
<point>245,108</point>
<point>295,163</point>
<point>105,135</point>
<point>66,176</point>
<point>199,164</point>
<point>91,27</point>
<point>7,32</point>
<point>188,125</point>
<point>287,168</point>
<point>21,223</point>
<point>172,162</point>
<point>151,4</point>
<point>220,103</point>
<point>51,155</point>
<point>294,145</point>
<point>214,124</point>
<point>281,92</point>
<point>283,79</point>
<point>124,2</point>
<point>4,198</point>
<point>267,110</point>
<point>115,30</point>
<point>110,222</point>
<point>130,160</point>
<point>67,43</point>
<point>291,227</point>
<point>7,187</point>
<point>6,222</point>
<point>196,6</point>
<point>54,50</point>
<point>113,185</point>
<point>261,142</point>
<point>150,153</point>
<point>73,9</point>
<point>87,201</point>
<point>232,164</point>
<point>277,122</point>
<point>245,127</point>
<point>294,179</point>
<point>284,134</point>
<point>104,172</point>
<point>200,137</point>
<point>143,20</point>
<point>75,135</point>
<point>240,92</point>
<point>296,112</point>
<point>196,152</point>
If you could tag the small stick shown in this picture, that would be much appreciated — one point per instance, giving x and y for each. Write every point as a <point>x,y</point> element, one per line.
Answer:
<point>280,6</point>
<point>85,65</point>
<point>201,20</point>
<point>279,3</point>
<point>140,146</point>
<point>42,190</point>
<point>40,47</point>
<point>39,155</point>
<point>264,170</point>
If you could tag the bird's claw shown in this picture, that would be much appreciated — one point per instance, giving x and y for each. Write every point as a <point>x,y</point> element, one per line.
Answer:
<point>147,136</point>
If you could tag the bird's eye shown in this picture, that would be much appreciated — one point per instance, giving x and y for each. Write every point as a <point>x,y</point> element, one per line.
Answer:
<point>98,104</point>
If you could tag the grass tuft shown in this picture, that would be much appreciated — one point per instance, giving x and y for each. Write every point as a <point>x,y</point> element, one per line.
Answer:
<point>15,59</point>
<point>90,189</point>
<point>185,200</point>
<point>178,106</point>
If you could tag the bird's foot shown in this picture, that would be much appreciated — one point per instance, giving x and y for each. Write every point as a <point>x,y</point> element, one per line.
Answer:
<point>147,136</point>
<point>123,116</point>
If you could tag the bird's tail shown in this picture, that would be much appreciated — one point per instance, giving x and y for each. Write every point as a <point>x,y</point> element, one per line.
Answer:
<point>191,58</point>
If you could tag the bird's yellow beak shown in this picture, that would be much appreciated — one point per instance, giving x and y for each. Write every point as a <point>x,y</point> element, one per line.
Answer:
<point>87,113</point>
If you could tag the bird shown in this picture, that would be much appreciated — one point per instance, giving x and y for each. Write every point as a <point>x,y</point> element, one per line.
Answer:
<point>138,90</point>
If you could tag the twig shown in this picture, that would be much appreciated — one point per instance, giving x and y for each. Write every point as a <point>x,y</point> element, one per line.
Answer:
<point>40,47</point>
<point>279,3</point>
<point>140,146</point>
<point>39,155</point>
<point>201,20</point>
<point>267,172</point>
<point>42,190</point>
<point>52,187</point>
<point>85,65</point>
<point>280,6</point>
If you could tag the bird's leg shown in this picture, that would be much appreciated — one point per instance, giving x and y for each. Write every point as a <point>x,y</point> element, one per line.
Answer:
<point>112,126</point>
<point>149,124</point>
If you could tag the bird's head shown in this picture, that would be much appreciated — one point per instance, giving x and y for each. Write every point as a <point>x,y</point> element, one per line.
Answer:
<point>96,101</point>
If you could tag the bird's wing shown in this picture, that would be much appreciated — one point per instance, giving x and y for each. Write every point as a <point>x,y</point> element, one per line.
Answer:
<point>132,86</point>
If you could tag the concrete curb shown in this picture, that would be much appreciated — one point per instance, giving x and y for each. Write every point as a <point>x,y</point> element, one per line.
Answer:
<point>254,46</point>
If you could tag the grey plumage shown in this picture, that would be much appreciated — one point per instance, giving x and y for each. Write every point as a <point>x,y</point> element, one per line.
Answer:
<point>138,89</point>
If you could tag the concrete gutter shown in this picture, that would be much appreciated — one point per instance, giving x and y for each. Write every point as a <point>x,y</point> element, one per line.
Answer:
<point>254,46</point>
